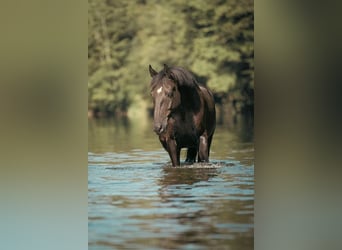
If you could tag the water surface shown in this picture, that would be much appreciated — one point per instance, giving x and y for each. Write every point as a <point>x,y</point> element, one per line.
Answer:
<point>137,200</point>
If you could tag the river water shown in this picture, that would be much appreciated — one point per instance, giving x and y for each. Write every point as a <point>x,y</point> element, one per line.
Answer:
<point>137,200</point>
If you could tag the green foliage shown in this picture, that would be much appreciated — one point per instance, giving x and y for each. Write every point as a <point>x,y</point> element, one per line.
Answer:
<point>223,41</point>
<point>212,38</point>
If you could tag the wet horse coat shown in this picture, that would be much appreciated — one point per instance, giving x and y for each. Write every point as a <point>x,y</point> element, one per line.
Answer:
<point>184,114</point>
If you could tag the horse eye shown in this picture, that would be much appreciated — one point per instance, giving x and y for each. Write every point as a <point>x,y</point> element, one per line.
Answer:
<point>169,94</point>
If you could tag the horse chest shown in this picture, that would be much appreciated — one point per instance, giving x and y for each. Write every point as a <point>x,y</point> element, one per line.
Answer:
<point>185,132</point>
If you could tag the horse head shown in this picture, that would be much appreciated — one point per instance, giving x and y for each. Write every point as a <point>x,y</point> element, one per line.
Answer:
<point>166,97</point>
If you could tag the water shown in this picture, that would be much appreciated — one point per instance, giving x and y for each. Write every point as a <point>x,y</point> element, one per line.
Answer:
<point>137,200</point>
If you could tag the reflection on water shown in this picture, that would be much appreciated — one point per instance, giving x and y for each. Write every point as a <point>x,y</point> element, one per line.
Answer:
<point>136,200</point>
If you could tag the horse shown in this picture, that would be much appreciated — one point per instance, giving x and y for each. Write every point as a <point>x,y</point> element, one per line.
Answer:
<point>184,114</point>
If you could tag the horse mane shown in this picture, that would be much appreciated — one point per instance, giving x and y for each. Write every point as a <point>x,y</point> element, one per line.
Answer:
<point>181,76</point>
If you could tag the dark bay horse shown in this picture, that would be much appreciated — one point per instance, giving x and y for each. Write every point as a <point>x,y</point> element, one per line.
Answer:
<point>184,114</point>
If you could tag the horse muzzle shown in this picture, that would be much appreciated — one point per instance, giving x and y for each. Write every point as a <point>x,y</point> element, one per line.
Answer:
<point>159,128</point>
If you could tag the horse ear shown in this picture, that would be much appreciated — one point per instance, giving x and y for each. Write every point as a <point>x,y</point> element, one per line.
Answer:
<point>168,72</point>
<point>152,71</point>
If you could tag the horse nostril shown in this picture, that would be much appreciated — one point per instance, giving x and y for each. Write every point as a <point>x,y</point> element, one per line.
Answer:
<point>158,128</point>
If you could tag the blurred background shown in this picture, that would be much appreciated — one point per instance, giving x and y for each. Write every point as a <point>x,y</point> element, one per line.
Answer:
<point>212,39</point>
<point>44,104</point>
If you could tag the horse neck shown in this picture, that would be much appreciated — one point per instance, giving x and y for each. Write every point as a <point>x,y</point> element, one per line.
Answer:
<point>191,99</point>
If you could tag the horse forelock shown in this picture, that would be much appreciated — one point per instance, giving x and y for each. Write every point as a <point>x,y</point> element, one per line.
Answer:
<point>156,80</point>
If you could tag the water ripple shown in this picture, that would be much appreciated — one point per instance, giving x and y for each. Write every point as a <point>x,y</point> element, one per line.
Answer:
<point>137,198</point>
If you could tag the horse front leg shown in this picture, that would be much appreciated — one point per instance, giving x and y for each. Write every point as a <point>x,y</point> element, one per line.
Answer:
<point>203,154</point>
<point>191,155</point>
<point>174,152</point>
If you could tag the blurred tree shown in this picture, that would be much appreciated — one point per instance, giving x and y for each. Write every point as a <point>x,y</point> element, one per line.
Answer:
<point>111,31</point>
<point>212,38</point>
<point>223,46</point>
